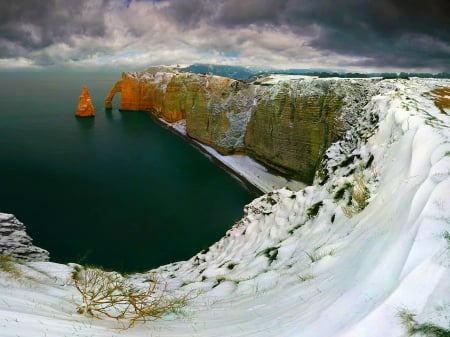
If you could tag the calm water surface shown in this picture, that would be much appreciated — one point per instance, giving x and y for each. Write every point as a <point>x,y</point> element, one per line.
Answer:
<point>116,190</point>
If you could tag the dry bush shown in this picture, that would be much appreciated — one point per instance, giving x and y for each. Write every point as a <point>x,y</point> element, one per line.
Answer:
<point>109,294</point>
<point>359,197</point>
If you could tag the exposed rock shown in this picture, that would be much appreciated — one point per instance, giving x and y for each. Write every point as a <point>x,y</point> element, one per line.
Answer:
<point>85,106</point>
<point>217,109</point>
<point>115,89</point>
<point>218,112</point>
<point>285,122</point>
<point>297,120</point>
<point>15,242</point>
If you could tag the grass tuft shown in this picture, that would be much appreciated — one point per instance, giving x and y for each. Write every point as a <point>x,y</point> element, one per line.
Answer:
<point>306,277</point>
<point>318,255</point>
<point>423,329</point>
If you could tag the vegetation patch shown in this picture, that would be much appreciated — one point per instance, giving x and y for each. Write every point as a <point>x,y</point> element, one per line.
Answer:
<point>8,265</point>
<point>110,295</point>
<point>271,253</point>
<point>441,98</point>
<point>359,197</point>
<point>339,195</point>
<point>421,329</point>
<point>446,236</point>
<point>306,277</point>
<point>313,210</point>
<point>318,255</point>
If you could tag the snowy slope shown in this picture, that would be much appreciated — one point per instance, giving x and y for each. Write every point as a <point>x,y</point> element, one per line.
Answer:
<point>340,258</point>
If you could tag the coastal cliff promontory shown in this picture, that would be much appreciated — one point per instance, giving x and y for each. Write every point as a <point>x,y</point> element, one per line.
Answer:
<point>284,122</point>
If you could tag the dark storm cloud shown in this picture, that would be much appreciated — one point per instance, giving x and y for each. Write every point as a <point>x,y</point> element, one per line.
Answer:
<point>394,34</point>
<point>237,12</point>
<point>28,25</point>
<point>391,32</point>
<point>192,12</point>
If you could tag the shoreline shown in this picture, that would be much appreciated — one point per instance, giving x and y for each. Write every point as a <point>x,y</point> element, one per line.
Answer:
<point>248,172</point>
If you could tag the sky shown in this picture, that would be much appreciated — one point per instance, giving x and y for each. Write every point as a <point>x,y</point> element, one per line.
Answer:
<point>338,35</point>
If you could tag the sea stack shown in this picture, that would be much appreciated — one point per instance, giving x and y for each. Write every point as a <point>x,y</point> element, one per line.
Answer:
<point>85,106</point>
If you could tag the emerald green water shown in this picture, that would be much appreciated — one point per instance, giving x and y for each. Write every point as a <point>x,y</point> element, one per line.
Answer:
<point>116,190</point>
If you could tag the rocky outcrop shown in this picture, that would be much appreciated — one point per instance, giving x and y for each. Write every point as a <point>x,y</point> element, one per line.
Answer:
<point>85,106</point>
<point>285,122</point>
<point>15,242</point>
<point>115,89</point>
<point>217,109</point>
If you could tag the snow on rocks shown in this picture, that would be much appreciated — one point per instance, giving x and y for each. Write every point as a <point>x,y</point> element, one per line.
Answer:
<point>15,243</point>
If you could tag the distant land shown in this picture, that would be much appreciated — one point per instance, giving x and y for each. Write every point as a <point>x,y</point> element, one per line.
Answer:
<point>248,73</point>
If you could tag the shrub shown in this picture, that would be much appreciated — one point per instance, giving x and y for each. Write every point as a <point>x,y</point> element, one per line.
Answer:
<point>109,294</point>
<point>424,329</point>
<point>312,211</point>
<point>359,197</point>
<point>271,253</point>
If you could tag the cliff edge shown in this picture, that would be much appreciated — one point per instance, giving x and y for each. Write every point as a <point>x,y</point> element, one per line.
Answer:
<point>284,122</point>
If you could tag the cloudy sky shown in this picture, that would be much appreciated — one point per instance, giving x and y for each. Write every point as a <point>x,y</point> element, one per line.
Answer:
<point>352,35</point>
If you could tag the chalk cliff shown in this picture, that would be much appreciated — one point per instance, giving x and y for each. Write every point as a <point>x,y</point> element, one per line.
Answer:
<point>85,106</point>
<point>115,89</point>
<point>285,122</point>
<point>15,242</point>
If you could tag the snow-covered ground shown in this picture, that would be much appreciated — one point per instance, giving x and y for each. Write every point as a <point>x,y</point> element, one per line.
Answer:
<point>341,258</point>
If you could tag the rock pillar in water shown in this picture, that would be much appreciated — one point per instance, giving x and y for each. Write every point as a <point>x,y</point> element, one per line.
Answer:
<point>85,106</point>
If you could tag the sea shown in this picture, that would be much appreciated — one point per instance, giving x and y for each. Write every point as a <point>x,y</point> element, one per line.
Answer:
<point>118,190</point>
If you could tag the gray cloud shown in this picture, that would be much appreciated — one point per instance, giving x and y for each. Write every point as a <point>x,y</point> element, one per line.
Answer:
<point>346,34</point>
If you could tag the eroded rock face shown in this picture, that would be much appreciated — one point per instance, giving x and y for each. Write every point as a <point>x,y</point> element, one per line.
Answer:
<point>285,122</point>
<point>293,125</point>
<point>16,243</point>
<point>85,106</point>
<point>217,109</point>
<point>115,89</point>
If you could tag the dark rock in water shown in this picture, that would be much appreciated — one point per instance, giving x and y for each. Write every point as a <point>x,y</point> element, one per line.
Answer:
<point>15,242</point>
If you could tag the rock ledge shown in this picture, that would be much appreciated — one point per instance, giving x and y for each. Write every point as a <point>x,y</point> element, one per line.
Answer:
<point>16,243</point>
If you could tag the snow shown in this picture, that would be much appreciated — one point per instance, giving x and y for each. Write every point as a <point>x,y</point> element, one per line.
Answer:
<point>287,270</point>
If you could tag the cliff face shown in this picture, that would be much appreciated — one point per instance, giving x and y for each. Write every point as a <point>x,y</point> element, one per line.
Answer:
<point>296,121</point>
<point>287,123</point>
<point>217,109</point>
